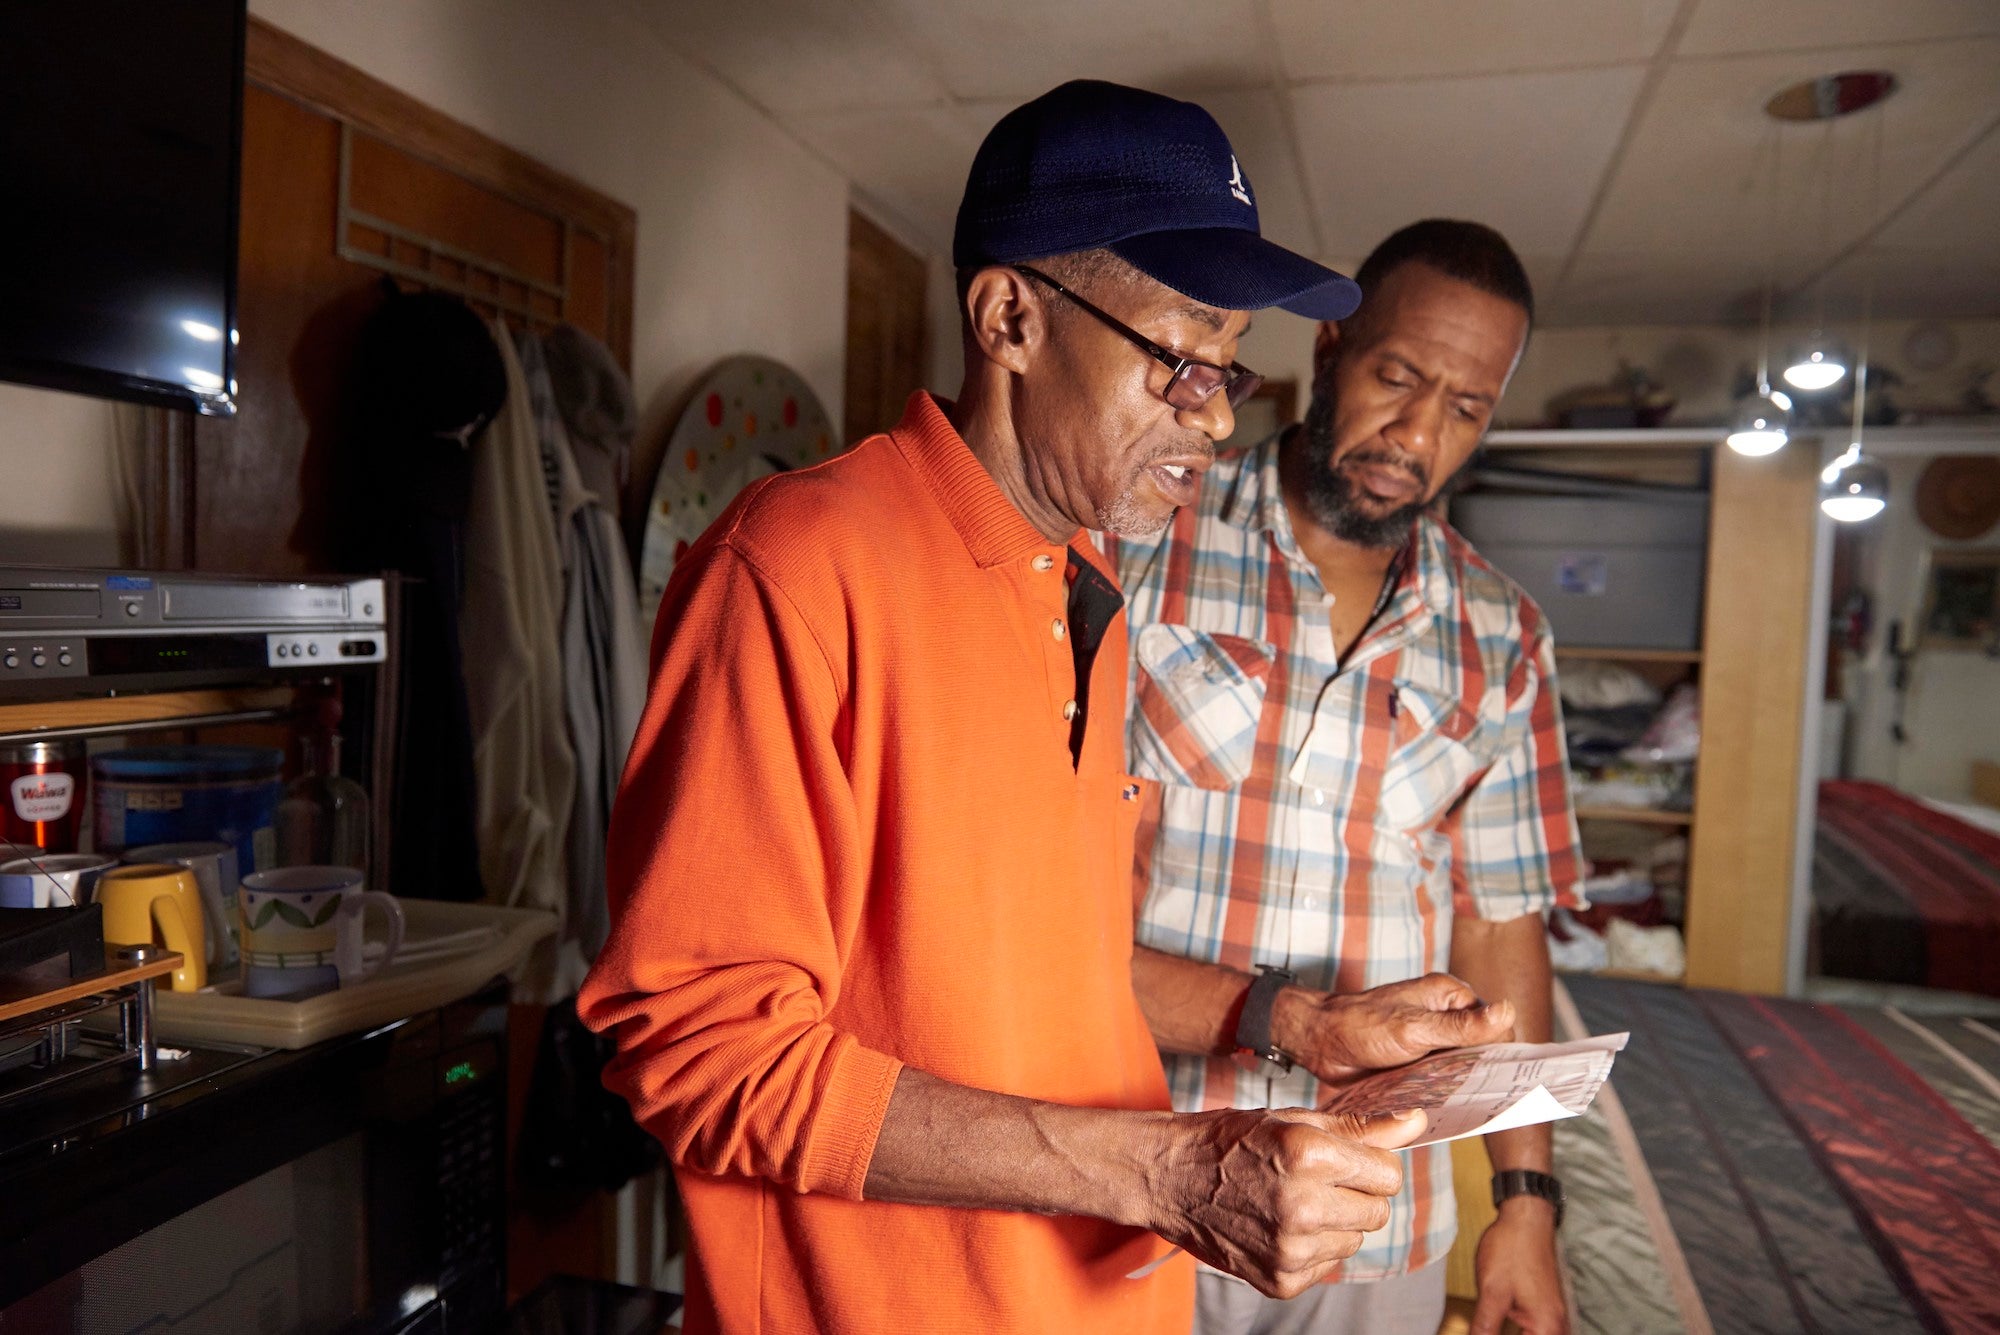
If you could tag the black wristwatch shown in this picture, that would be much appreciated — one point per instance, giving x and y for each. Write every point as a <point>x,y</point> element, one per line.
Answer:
<point>1253,1029</point>
<point>1527,1182</point>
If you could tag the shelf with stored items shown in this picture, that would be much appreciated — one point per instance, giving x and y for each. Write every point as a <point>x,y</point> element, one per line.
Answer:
<point>1636,815</point>
<point>1586,651</point>
<point>1746,652</point>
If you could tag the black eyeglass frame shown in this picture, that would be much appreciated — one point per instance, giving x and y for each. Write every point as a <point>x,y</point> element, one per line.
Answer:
<point>1238,381</point>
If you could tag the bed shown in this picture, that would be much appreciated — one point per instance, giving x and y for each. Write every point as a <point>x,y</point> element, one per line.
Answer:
<point>1757,1165</point>
<point>1905,891</point>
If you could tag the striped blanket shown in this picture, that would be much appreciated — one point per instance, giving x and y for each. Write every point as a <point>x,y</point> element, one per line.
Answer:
<point>1776,1166</point>
<point>1904,893</point>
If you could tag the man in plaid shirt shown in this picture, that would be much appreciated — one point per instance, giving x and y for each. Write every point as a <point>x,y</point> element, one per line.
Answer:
<point>1353,723</point>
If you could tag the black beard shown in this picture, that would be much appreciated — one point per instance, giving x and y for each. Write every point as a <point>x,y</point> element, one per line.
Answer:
<point>1333,499</point>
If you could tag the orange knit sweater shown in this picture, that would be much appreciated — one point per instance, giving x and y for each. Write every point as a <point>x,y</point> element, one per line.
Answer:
<point>851,835</point>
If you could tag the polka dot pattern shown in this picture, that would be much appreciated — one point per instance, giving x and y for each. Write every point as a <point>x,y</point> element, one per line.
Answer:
<point>748,418</point>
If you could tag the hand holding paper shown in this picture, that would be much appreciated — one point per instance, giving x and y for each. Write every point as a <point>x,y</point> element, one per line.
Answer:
<point>1472,1091</point>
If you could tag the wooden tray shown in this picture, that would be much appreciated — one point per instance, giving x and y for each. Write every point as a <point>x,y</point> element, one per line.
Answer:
<point>14,1005</point>
<point>453,950</point>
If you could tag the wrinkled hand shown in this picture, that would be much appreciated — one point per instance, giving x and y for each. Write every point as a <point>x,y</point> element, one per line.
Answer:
<point>1518,1273</point>
<point>1278,1198</point>
<point>1337,1036</point>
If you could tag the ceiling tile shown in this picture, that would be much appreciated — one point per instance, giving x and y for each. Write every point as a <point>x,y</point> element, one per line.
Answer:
<point>797,55</point>
<point>1643,288</point>
<point>1695,179</point>
<point>912,160</point>
<point>1369,40</point>
<point>1735,27</point>
<point>1017,50</point>
<point>1961,206</point>
<point>1522,153</point>
<point>1941,256</point>
<point>1920,284</point>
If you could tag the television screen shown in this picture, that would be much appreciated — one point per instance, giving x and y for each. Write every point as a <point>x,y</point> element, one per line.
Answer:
<point>119,154</point>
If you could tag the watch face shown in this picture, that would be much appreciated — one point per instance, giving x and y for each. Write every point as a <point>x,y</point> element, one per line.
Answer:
<point>1258,1064</point>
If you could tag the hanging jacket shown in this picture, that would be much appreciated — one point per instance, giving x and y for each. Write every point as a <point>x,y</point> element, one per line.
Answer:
<point>603,652</point>
<point>511,635</point>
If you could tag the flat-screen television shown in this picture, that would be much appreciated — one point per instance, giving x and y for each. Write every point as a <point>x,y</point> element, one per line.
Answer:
<point>120,130</point>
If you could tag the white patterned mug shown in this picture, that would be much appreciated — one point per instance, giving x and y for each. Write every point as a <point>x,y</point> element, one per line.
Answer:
<point>300,930</point>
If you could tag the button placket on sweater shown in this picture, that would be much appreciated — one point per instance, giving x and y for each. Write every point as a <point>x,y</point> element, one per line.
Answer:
<point>1050,595</point>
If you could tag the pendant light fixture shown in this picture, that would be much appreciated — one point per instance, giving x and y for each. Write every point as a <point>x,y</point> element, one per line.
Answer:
<point>1854,487</point>
<point>1762,423</point>
<point>1817,366</point>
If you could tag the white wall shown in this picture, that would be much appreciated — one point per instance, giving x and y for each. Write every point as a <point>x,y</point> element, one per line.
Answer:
<point>58,494</point>
<point>1951,711</point>
<point>1697,362</point>
<point>742,233</point>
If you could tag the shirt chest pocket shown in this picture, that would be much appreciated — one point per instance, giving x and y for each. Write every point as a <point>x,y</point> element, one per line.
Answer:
<point>1198,700</point>
<point>1437,755</point>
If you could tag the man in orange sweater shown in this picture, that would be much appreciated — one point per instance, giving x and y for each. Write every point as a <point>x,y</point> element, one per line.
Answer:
<point>870,865</point>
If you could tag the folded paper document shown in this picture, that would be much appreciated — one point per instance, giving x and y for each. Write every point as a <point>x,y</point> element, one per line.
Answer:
<point>1471,1091</point>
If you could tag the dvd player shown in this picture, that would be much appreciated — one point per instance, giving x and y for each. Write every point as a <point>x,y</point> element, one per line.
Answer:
<point>87,632</point>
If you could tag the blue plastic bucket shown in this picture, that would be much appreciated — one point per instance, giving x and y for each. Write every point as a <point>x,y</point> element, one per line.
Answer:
<point>172,794</point>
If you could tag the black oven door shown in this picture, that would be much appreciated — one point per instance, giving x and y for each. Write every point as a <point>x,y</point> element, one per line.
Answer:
<point>355,1186</point>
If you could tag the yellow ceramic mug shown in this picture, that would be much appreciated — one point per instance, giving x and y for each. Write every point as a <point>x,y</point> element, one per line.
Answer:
<point>152,903</point>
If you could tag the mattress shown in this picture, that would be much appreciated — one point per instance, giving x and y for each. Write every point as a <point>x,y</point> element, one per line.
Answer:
<point>1904,892</point>
<point>1757,1165</point>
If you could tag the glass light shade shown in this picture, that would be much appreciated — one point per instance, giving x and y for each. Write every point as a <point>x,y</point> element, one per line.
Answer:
<point>1853,488</point>
<point>1762,424</point>
<point>1816,368</point>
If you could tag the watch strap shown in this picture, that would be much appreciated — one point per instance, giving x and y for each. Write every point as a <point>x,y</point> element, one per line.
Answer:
<point>1513,1182</point>
<point>1253,1027</point>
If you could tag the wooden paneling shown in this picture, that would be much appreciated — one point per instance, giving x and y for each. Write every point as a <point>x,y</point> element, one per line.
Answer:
<point>388,182</point>
<point>885,328</point>
<point>264,480</point>
<point>1756,635</point>
<point>263,483</point>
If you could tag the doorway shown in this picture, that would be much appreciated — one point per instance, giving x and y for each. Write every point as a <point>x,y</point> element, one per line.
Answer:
<point>885,327</point>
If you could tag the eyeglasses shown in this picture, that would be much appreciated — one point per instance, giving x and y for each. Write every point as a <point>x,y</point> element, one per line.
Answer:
<point>1193,382</point>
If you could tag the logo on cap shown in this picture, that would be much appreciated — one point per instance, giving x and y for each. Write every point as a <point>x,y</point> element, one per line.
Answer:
<point>1237,185</point>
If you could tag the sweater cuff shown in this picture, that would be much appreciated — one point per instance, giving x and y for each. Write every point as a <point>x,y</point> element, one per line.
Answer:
<point>852,1105</point>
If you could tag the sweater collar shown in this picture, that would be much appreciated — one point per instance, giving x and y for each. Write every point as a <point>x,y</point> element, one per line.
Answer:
<point>994,530</point>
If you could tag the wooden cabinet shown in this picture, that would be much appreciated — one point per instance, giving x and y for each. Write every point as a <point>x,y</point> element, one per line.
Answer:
<point>1751,665</point>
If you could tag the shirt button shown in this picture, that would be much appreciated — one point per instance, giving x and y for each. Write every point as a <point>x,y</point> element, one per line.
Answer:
<point>1319,797</point>
<point>1044,562</point>
<point>1328,599</point>
<point>1057,629</point>
<point>1069,710</point>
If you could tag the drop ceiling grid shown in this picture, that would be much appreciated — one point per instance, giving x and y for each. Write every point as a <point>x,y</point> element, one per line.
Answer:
<point>1630,202</point>
<point>1695,178</point>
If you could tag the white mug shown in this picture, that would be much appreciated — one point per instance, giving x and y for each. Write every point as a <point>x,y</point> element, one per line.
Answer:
<point>51,880</point>
<point>301,930</point>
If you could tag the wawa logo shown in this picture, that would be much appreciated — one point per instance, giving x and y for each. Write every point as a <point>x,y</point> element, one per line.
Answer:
<point>43,797</point>
<point>1237,185</point>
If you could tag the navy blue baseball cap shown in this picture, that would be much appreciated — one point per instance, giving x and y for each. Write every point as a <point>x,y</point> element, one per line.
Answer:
<point>1095,165</point>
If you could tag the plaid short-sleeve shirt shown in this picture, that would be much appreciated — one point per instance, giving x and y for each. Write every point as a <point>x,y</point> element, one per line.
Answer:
<point>1333,817</point>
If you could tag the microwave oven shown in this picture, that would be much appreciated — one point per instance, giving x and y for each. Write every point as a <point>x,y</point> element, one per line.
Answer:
<point>352,1188</point>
